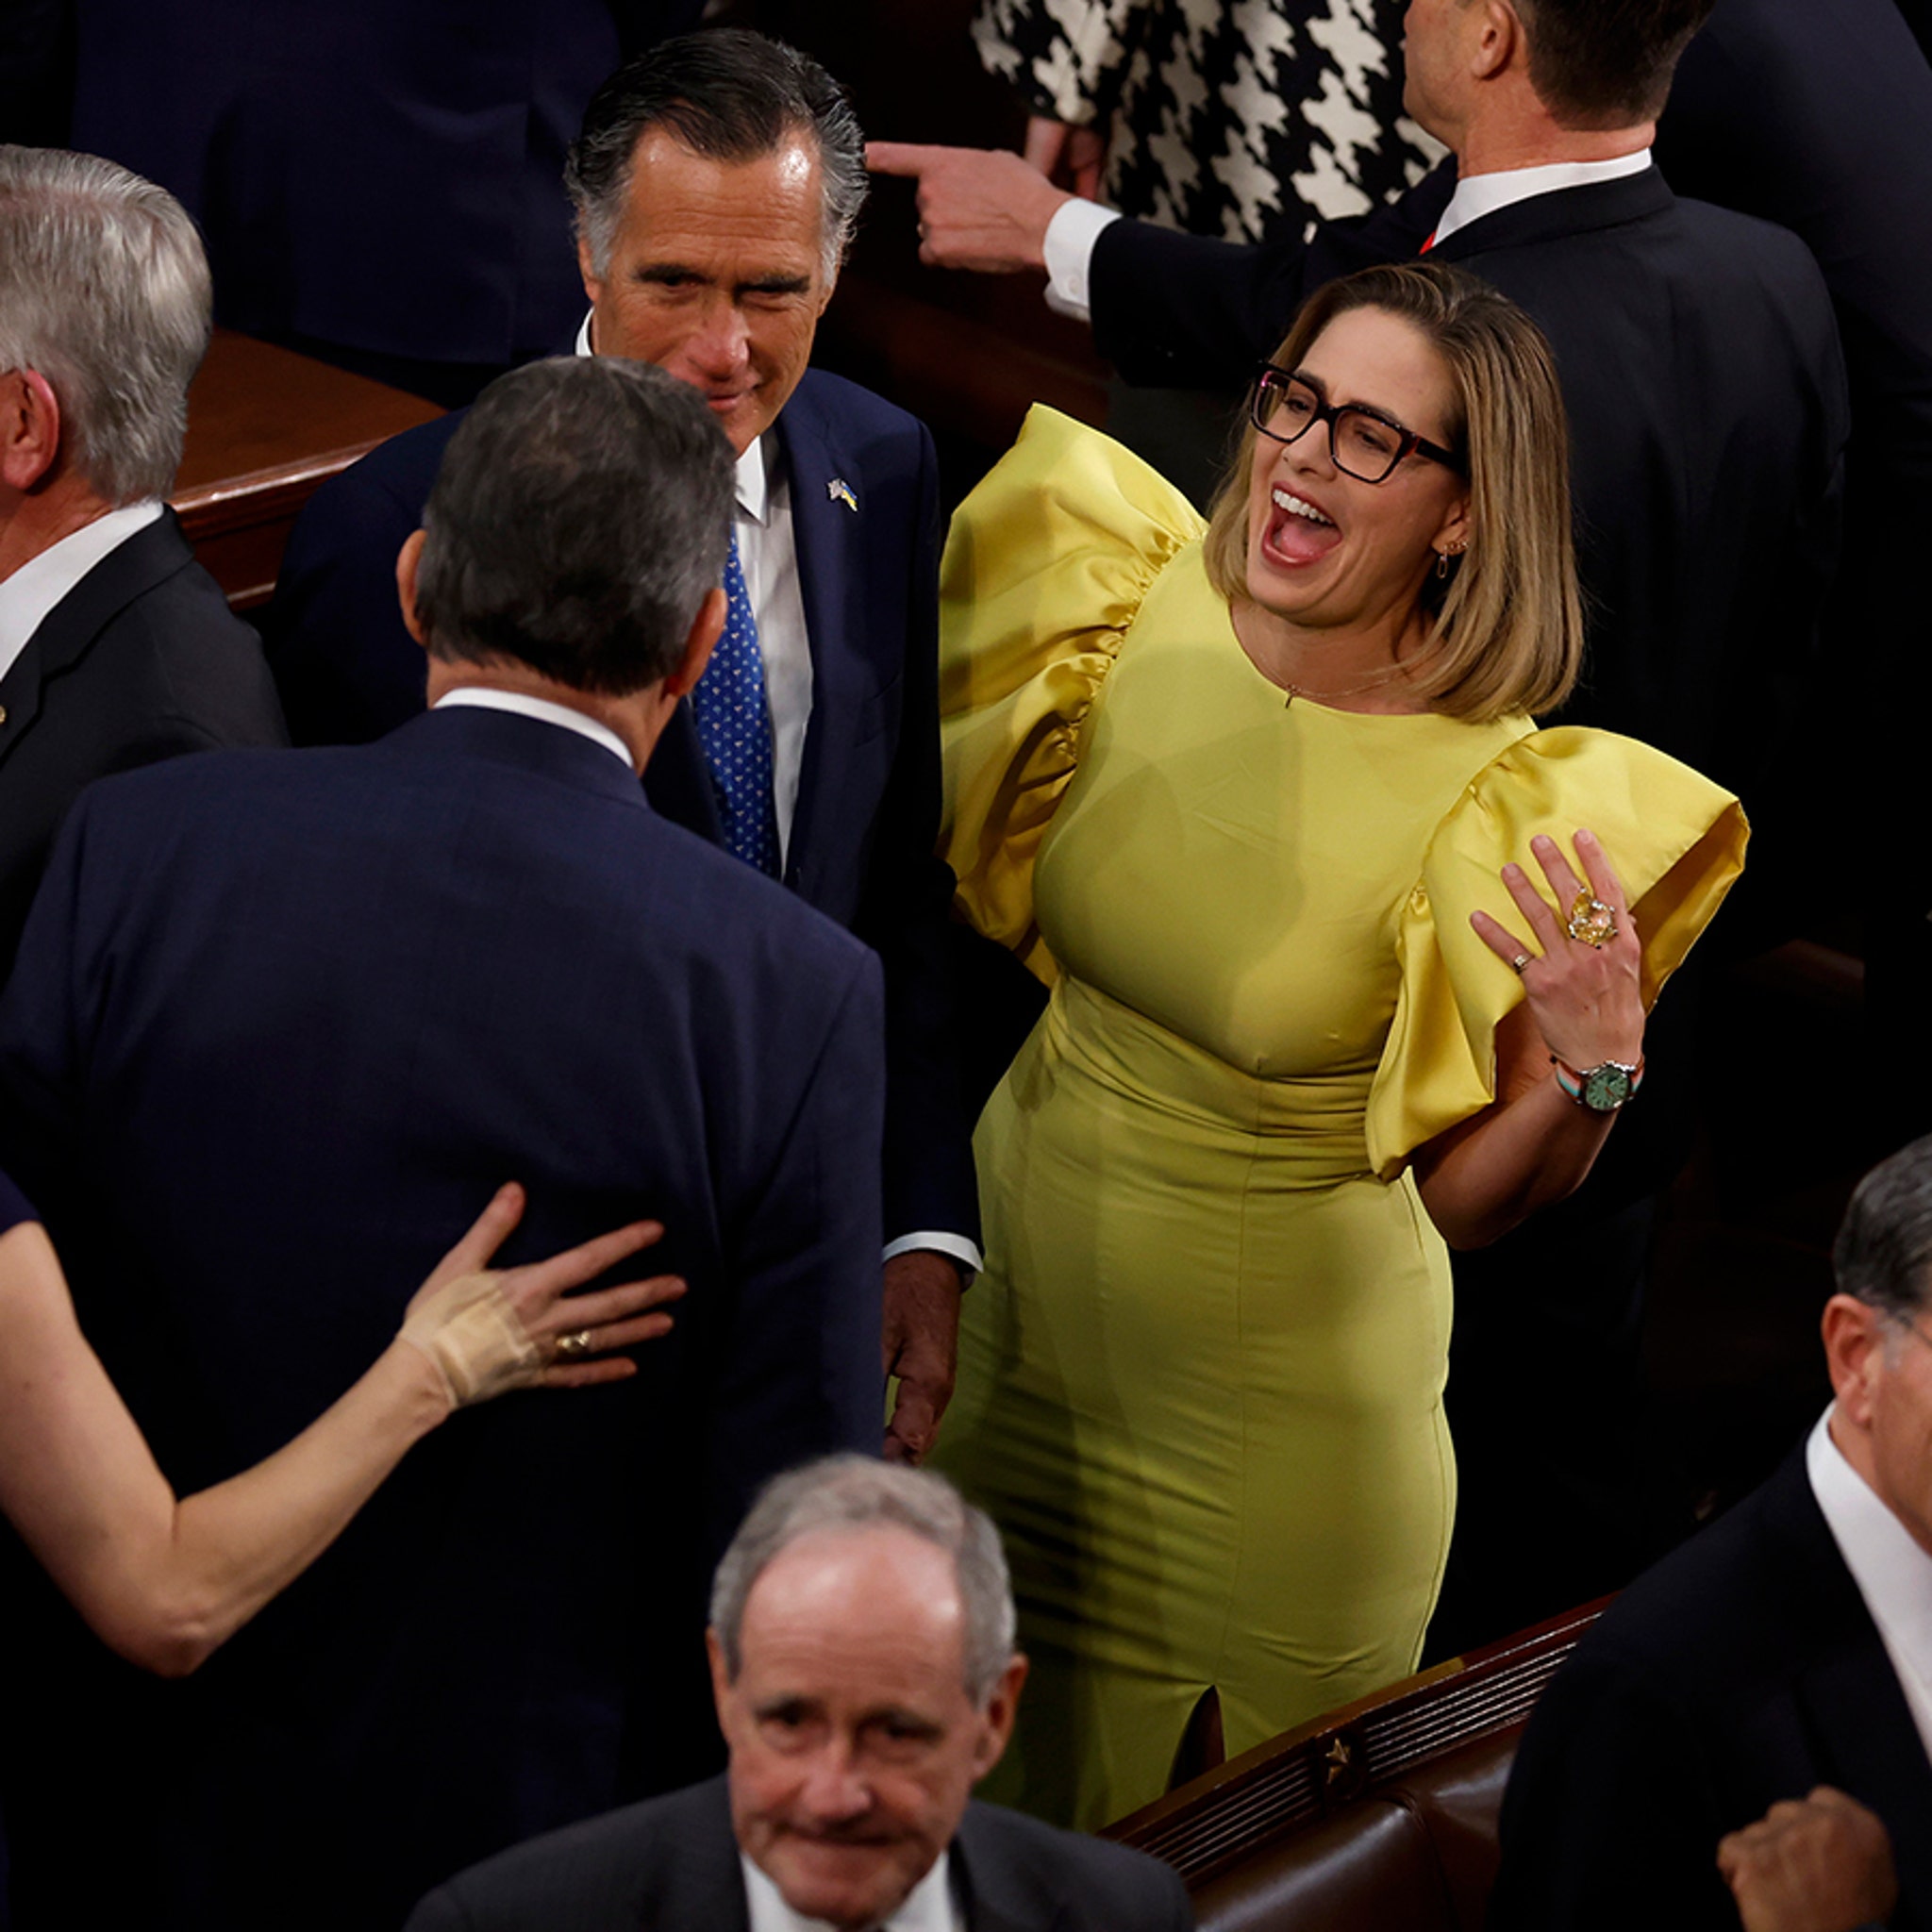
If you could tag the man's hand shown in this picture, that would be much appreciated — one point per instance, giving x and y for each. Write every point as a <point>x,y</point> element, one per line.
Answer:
<point>1073,157</point>
<point>922,1348</point>
<point>978,208</point>
<point>1818,1864</point>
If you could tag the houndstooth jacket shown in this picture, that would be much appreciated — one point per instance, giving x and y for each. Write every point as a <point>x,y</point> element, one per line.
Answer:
<point>1242,119</point>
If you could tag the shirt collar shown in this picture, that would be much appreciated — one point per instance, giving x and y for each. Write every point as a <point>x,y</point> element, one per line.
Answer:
<point>927,1908</point>
<point>1893,1572</point>
<point>1482,194</point>
<point>43,581</point>
<point>484,697</point>
<point>754,480</point>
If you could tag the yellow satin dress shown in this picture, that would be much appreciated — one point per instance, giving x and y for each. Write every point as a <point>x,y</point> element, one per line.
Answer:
<point>1201,1378</point>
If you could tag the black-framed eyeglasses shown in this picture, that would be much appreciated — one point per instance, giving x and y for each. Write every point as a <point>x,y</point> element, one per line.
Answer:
<point>1364,443</point>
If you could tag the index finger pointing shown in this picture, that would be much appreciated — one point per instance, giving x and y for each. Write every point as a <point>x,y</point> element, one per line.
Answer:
<point>902,157</point>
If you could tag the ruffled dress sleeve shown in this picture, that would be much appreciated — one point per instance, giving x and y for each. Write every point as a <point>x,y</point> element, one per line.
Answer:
<point>1046,566</point>
<point>1675,840</point>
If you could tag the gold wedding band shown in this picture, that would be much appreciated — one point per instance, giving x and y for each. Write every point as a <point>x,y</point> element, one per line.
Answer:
<point>574,1344</point>
<point>1591,922</point>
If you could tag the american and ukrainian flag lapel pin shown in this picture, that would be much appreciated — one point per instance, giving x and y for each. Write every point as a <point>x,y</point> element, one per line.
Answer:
<point>838,490</point>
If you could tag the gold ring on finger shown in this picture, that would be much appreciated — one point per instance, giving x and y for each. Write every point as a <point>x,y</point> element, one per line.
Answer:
<point>577,1342</point>
<point>1591,922</point>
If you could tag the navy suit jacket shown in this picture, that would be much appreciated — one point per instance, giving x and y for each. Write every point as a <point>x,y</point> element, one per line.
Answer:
<point>1742,1670</point>
<point>672,1865</point>
<point>281,1023</point>
<point>867,819</point>
<point>142,660</point>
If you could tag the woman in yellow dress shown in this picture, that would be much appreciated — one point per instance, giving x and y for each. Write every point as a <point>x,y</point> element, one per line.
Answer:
<point>1241,795</point>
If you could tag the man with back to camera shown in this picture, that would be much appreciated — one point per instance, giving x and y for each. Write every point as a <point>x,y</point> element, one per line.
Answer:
<point>1703,382</point>
<point>116,647</point>
<point>278,1020</point>
<point>1786,1647</point>
<point>862,1661</point>
<point>716,180</point>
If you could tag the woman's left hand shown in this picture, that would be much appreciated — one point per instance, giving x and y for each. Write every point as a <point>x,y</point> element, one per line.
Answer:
<point>1587,1000</point>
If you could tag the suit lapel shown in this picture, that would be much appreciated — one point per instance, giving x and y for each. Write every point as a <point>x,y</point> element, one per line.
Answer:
<point>678,782</point>
<point>996,1897</point>
<point>697,1880</point>
<point>826,528</point>
<point>1862,1728</point>
<point>148,558</point>
<point>1566,211</point>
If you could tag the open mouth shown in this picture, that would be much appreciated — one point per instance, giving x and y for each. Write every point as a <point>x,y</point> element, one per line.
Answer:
<point>1298,531</point>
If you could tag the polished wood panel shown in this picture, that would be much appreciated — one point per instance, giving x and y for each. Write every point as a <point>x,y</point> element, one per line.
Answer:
<point>265,426</point>
<point>1210,1826</point>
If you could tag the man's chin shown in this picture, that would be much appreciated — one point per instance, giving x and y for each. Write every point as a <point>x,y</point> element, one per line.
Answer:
<point>741,417</point>
<point>848,1885</point>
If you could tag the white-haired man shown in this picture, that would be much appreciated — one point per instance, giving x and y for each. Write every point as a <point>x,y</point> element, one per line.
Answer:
<point>863,1665</point>
<point>116,647</point>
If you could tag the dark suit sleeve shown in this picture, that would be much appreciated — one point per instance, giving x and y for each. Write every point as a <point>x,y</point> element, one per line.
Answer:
<point>1187,311</point>
<point>929,1184</point>
<point>347,668</point>
<point>1609,1820</point>
<point>801,1373</point>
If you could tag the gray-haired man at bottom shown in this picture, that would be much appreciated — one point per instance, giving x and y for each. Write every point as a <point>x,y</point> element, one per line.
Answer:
<point>862,1661</point>
<point>116,648</point>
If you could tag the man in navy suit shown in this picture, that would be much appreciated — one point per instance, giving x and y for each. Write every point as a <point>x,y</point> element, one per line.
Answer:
<point>1786,1647</point>
<point>278,1019</point>
<point>116,647</point>
<point>716,181</point>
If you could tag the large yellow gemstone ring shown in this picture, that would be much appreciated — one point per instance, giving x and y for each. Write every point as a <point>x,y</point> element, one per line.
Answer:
<point>1591,921</point>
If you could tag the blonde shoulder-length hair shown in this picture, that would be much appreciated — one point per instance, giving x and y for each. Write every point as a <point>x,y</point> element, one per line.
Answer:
<point>1506,623</point>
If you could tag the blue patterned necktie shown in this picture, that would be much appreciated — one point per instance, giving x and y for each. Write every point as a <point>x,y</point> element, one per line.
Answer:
<point>735,729</point>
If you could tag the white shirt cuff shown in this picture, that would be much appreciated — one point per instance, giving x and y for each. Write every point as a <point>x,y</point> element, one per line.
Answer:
<point>954,1247</point>
<point>1069,249</point>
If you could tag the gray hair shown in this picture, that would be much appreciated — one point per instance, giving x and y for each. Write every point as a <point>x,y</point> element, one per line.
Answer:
<point>105,290</point>
<point>1883,1253</point>
<point>855,1492</point>
<point>582,512</point>
<point>731,95</point>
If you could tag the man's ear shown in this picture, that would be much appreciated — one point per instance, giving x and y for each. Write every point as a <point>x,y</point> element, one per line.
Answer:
<point>1499,42</point>
<point>29,429</point>
<point>720,1677</point>
<point>408,559</point>
<point>707,628</point>
<point>1854,1335</point>
<point>1001,1707</point>
<point>594,282</point>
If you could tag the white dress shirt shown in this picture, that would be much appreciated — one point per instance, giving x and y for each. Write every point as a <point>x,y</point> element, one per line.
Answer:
<point>929,1906</point>
<point>1078,224</point>
<point>39,585</point>
<point>1893,1574</point>
<point>1482,194</point>
<point>481,697</point>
